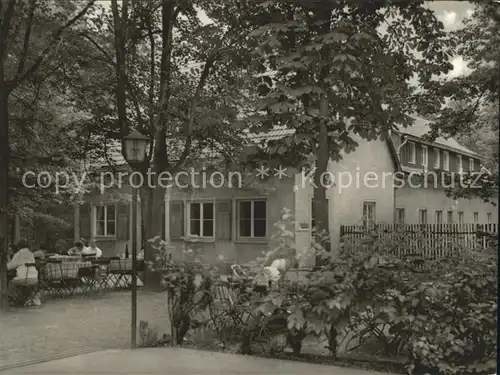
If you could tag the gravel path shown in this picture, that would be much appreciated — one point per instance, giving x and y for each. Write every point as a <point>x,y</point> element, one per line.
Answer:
<point>70,325</point>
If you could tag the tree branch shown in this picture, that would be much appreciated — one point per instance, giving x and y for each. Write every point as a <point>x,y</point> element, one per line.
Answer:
<point>4,28</point>
<point>26,42</point>
<point>54,40</point>
<point>101,49</point>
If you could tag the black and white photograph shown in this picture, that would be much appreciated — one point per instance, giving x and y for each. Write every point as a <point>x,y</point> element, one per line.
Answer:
<point>249,187</point>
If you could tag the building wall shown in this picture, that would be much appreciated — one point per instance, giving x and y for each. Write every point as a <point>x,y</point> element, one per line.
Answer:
<point>453,155</point>
<point>432,199</point>
<point>86,227</point>
<point>363,175</point>
<point>278,195</point>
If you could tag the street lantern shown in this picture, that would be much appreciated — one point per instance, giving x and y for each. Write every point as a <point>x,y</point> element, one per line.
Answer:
<point>135,145</point>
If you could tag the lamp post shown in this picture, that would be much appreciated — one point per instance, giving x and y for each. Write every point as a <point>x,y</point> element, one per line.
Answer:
<point>134,147</point>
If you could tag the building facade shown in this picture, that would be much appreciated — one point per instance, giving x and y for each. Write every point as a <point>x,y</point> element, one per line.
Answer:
<point>237,223</point>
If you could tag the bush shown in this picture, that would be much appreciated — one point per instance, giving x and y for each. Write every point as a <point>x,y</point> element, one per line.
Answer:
<point>445,324</point>
<point>442,317</point>
<point>188,283</point>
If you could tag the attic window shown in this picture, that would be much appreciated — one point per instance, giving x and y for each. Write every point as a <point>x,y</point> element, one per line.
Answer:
<point>437,158</point>
<point>471,165</point>
<point>425,156</point>
<point>446,160</point>
<point>412,157</point>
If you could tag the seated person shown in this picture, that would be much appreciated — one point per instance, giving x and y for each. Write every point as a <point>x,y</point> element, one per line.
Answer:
<point>25,276</point>
<point>92,250</point>
<point>40,253</point>
<point>77,249</point>
<point>60,247</point>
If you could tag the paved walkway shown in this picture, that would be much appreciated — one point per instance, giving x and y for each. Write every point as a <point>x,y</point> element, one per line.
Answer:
<point>70,326</point>
<point>177,361</point>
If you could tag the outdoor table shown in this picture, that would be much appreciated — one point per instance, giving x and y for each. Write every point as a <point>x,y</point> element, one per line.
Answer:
<point>63,276</point>
<point>121,272</point>
<point>67,258</point>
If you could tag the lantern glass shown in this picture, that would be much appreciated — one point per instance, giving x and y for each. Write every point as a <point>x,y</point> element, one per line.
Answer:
<point>135,147</point>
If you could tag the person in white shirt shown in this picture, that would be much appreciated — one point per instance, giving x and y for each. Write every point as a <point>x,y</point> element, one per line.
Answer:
<point>25,275</point>
<point>92,250</point>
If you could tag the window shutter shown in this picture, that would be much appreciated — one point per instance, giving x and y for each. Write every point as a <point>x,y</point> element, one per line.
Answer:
<point>122,221</point>
<point>85,220</point>
<point>163,220</point>
<point>176,220</point>
<point>223,220</point>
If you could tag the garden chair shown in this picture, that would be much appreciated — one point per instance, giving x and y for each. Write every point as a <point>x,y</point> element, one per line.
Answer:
<point>121,272</point>
<point>102,273</point>
<point>62,277</point>
<point>88,276</point>
<point>26,290</point>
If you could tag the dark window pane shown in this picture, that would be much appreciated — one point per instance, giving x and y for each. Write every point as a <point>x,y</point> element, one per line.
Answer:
<point>111,212</point>
<point>245,228</point>
<point>100,213</point>
<point>195,211</point>
<point>100,228</point>
<point>195,227</point>
<point>259,228</point>
<point>208,210</point>
<point>245,210</point>
<point>259,210</point>
<point>208,228</point>
<point>111,228</point>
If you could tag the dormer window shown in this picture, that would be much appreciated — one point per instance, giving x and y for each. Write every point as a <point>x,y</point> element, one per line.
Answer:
<point>460,165</point>
<point>446,160</point>
<point>471,165</point>
<point>425,156</point>
<point>412,157</point>
<point>437,158</point>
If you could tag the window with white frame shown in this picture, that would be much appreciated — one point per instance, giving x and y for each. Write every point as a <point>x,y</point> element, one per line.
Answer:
<point>252,218</point>
<point>412,157</point>
<point>488,217</point>
<point>105,220</point>
<point>201,219</point>
<point>471,165</point>
<point>461,217</point>
<point>476,217</point>
<point>368,213</point>
<point>439,217</point>
<point>400,216</point>
<point>446,160</point>
<point>450,217</point>
<point>425,156</point>
<point>437,158</point>
<point>460,166</point>
<point>422,216</point>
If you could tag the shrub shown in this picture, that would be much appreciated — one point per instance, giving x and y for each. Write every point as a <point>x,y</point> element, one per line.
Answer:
<point>188,283</point>
<point>443,320</point>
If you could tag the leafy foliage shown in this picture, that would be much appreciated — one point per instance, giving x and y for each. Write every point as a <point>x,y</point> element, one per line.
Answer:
<point>187,283</point>
<point>467,106</point>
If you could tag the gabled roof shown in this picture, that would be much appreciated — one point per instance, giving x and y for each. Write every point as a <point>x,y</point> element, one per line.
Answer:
<point>280,132</point>
<point>421,127</point>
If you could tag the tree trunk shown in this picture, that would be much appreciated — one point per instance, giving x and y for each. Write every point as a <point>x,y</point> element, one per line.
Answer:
<point>4,187</point>
<point>152,201</point>
<point>321,181</point>
<point>322,152</point>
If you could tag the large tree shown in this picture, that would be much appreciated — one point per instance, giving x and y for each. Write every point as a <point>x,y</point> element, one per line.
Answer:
<point>158,68</point>
<point>466,106</point>
<point>337,71</point>
<point>31,32</point>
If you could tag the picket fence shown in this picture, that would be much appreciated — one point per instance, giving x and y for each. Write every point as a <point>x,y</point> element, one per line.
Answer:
<point>427,240</point>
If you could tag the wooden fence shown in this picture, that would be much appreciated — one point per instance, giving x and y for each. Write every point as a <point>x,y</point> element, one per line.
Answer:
<point>427,240</point>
